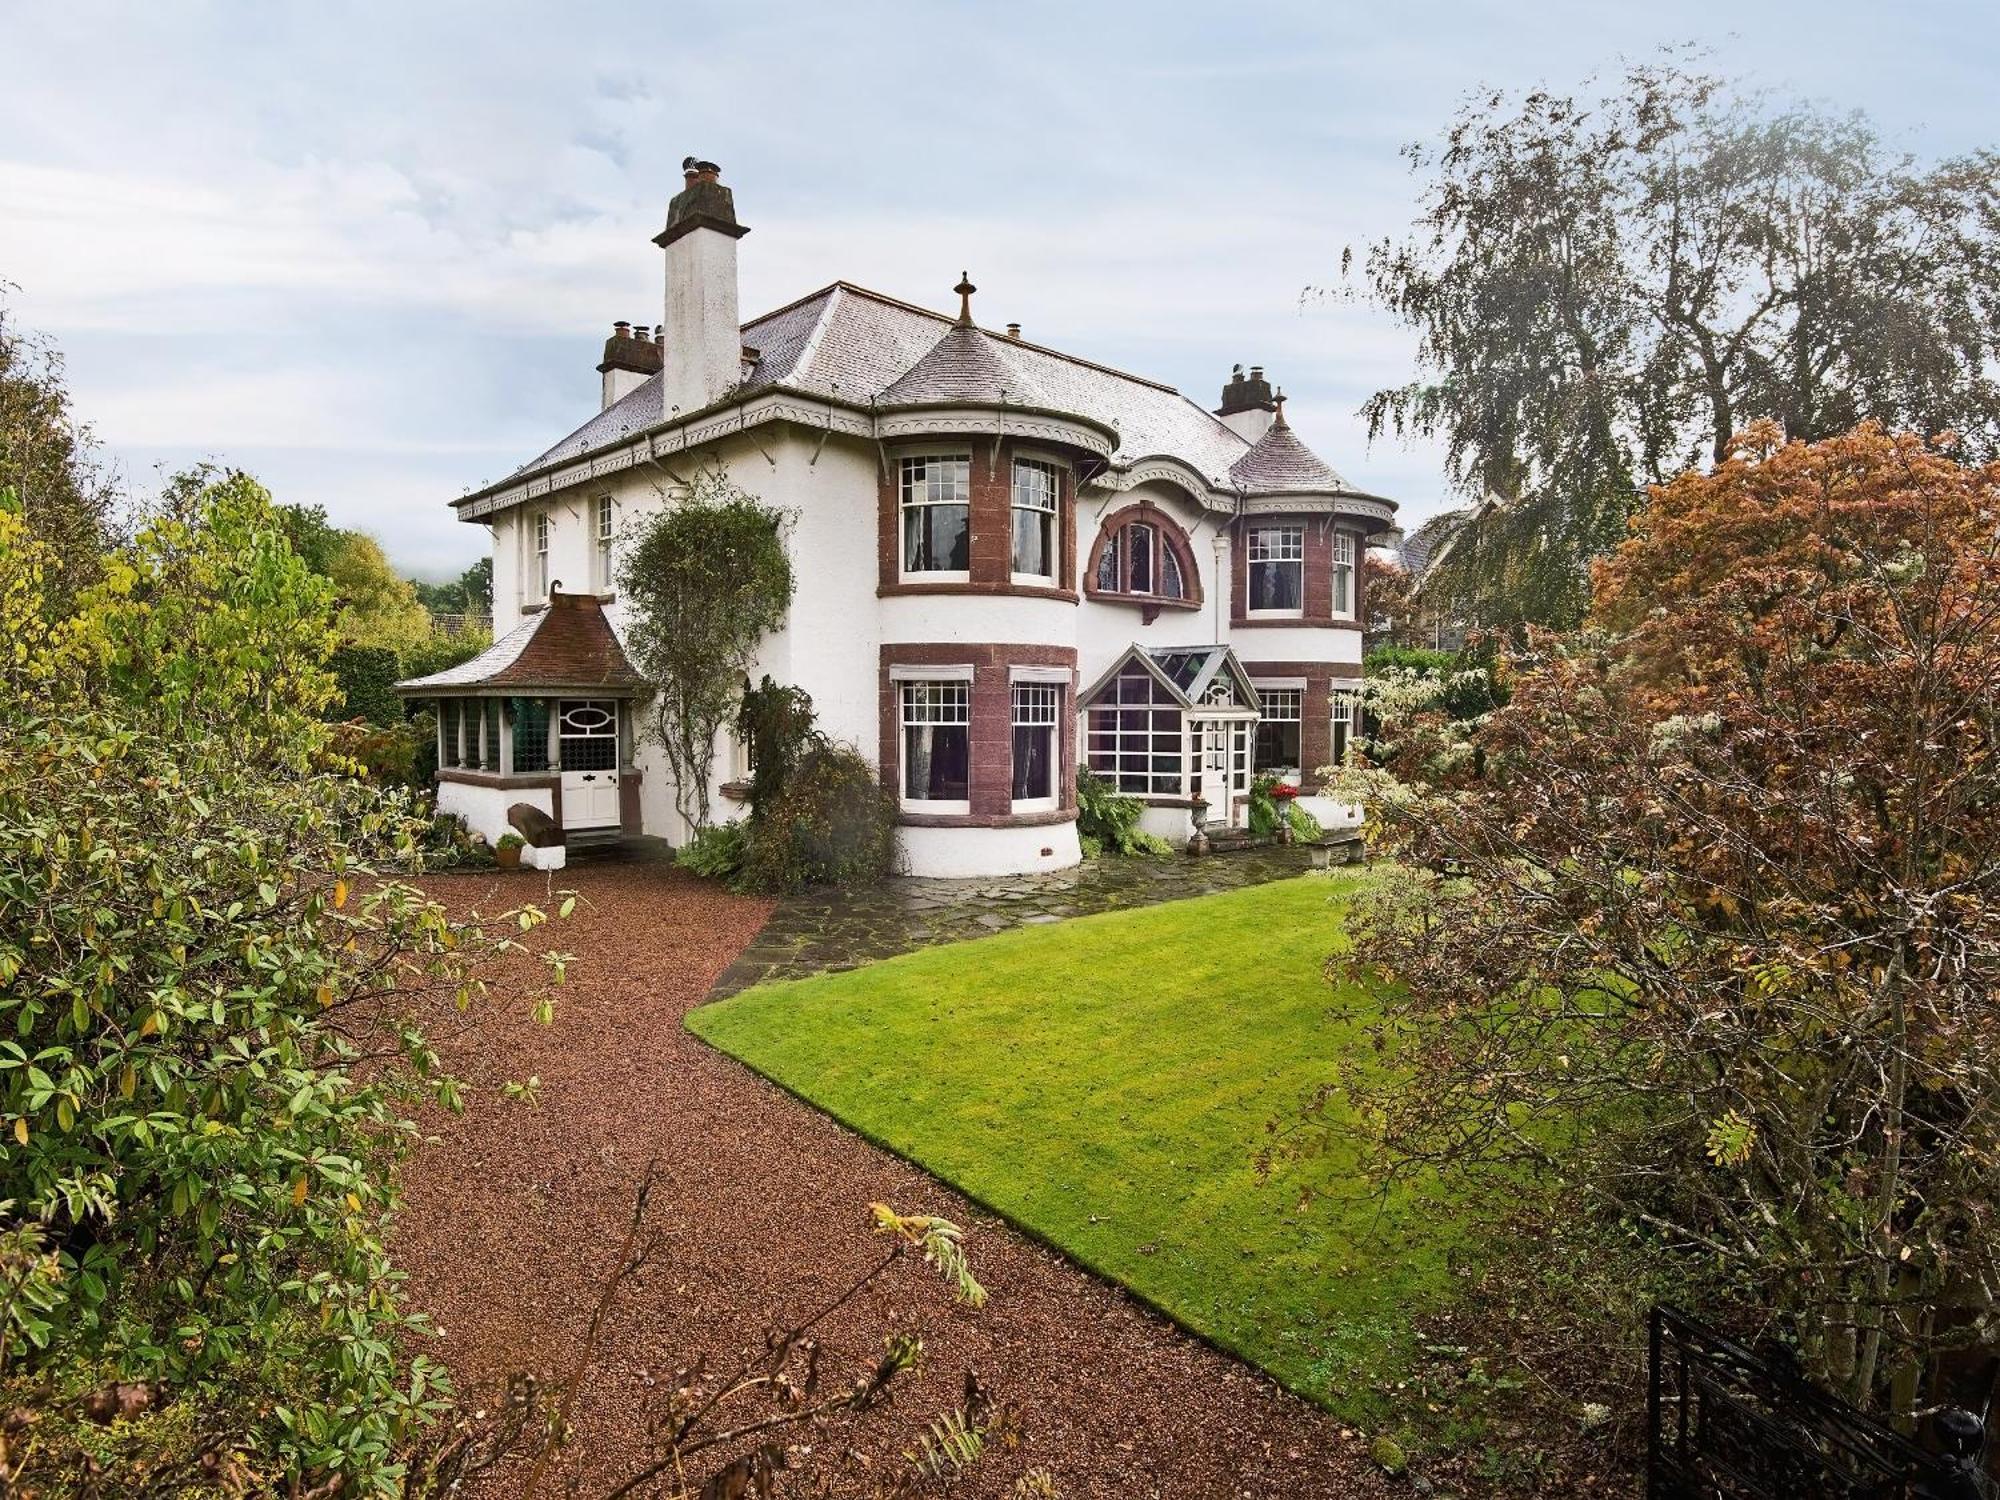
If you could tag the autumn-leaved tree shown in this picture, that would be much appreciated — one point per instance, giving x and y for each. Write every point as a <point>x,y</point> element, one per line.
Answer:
<point>1606,289</point>
<point>1708,929</point>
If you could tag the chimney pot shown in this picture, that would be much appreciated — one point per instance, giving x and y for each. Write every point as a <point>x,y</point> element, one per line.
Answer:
<point>1013,330</point>
<point>620,330</point>
<point>643,334</point>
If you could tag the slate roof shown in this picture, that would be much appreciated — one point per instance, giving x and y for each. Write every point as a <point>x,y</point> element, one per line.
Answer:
<point>1422,546</point>
<point>569,645</point>
<point>850,344</point>
<point>1279,464</point>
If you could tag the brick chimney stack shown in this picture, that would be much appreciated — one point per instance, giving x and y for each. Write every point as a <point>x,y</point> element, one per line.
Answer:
<point>630,357</point>
<point>1247,406</point>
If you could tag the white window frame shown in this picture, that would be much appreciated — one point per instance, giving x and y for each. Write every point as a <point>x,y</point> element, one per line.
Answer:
<point>1276,698</point>
<point>1133,751</point>
<point>1042,705</point>
<point>927,696</point>
<point>1345,728</point>
<point>1053,511</point>
<point>1343,575</point>
<point>539,541</point>
<point>1259,551</point>
<point>905,464</point>
<point>604,524</point>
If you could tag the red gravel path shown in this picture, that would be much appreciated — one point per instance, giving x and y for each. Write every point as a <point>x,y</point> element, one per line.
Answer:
<point>514,1215</point>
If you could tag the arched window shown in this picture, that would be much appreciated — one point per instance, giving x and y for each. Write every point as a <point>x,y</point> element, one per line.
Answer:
<point>1142,554</point>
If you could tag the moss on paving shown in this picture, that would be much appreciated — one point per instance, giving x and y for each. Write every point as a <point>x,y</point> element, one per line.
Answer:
<point>1105,1083</point>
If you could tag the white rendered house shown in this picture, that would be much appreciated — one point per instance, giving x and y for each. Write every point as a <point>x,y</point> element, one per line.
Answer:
<point>1010,561</point>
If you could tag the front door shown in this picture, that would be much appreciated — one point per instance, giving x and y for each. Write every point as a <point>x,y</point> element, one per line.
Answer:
<point>1225,768</point>
<point>588,734</point>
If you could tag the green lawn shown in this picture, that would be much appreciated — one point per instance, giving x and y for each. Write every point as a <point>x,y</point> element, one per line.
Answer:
<point>1105,1083</point>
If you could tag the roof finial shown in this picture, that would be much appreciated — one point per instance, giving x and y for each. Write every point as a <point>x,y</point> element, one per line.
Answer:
<point>1278,400</point>
<point>965,289</point>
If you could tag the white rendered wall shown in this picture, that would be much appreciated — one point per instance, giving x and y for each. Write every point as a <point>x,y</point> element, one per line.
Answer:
<point>484,808</point>
<point>948,853</point>
<point>506,571</point>
<point>703,356</point>
<point>1104,631</point>
<point>1339,646</point>
<point>1174,824</point>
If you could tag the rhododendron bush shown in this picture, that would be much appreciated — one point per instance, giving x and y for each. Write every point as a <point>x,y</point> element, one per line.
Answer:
<point>1706,931</point>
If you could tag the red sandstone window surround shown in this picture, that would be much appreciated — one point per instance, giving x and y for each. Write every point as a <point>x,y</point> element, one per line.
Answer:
<point>1141,555</point>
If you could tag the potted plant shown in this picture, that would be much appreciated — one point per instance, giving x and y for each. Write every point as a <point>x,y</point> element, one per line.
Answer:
<point>508,851</point>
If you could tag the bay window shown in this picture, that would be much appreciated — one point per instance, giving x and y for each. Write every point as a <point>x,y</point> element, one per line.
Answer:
<point>936,494</point>
<point>937,744</point>
<point>1037,486</point>
<point>1037,710</point>
<point>1277,556</point>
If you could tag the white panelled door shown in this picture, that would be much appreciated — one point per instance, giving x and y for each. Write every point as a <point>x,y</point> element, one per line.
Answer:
<point>588,733</point>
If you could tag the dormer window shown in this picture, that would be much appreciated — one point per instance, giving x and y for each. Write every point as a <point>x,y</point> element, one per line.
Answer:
<point>1147,559</point>
<point>1277,556</point>
<point>1037,490</point>
<point>937,516</point>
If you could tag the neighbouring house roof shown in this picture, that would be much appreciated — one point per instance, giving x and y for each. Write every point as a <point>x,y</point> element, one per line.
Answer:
<point>846,344</point>
<point>1186,672</point>
<point>569,646</point>
<point>1428,542</point>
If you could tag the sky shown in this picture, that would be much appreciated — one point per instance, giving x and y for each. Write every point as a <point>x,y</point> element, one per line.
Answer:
<point>371,252</point>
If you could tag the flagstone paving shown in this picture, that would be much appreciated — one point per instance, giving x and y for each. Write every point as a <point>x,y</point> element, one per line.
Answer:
<point>820,932</point>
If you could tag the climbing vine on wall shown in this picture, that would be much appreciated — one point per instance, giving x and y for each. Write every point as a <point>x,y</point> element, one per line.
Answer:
<point>706,578</point>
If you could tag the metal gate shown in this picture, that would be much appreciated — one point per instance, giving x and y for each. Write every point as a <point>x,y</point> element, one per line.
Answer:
<point>1724,1424</point>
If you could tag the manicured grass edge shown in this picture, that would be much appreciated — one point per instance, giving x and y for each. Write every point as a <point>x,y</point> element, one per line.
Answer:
<point>1029,1231</point>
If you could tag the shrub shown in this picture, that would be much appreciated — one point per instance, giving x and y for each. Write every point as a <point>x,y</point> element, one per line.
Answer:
<point>440,650</point>
<point>715,852</point>
<point>366,678</point>
<point>1107,821</point>
<point>832,823</point>
<point>776,722</point>
<point>195,959</point>
<point>1305,827</point>
<point>1264,810</point>
<point>387,756</point>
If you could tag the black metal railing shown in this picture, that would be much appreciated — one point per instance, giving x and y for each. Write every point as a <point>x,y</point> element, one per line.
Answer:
<point>1726,1424</point>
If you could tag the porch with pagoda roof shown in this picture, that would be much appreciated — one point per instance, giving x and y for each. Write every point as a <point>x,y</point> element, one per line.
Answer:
<point>542,719</point>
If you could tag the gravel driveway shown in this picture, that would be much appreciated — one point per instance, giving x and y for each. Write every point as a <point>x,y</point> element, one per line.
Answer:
<point>514,1214</point>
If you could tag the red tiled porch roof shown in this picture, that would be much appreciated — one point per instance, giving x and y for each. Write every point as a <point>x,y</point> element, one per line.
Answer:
<point>570,645</point>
